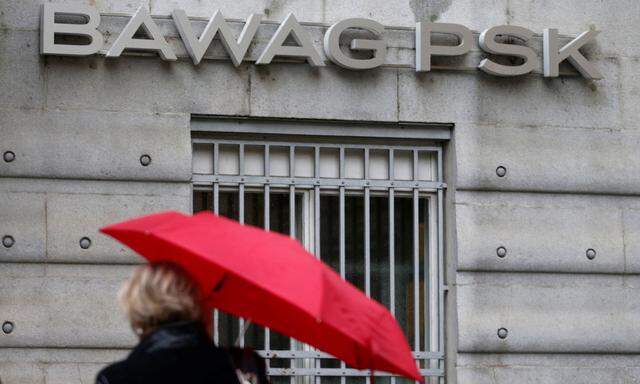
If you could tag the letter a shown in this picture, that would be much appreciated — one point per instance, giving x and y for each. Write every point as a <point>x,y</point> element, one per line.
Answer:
<point>305,47</point>
<point>157,43</point>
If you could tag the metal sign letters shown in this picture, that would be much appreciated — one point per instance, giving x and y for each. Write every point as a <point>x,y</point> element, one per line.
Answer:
<point>375,48</point>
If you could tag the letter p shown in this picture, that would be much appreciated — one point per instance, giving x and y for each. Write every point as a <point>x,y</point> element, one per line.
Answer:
<point>424,49</point>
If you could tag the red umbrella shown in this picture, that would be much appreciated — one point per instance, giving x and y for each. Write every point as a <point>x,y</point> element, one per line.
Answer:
<point>273,281</point>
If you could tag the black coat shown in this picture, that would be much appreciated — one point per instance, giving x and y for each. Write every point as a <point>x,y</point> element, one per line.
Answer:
<point>175,353</point>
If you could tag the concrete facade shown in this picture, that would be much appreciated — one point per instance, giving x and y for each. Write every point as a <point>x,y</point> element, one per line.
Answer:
<point>78,127</point>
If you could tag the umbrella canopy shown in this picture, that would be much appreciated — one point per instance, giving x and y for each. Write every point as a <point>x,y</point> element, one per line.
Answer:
<point>272,280</point>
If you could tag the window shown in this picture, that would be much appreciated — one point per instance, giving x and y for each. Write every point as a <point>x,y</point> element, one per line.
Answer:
<point>370,209</point>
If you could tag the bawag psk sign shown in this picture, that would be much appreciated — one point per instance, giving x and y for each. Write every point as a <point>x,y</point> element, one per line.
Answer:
<point>357,54</point>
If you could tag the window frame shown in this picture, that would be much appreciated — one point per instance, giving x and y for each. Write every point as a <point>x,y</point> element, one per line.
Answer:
<point>214,131</point>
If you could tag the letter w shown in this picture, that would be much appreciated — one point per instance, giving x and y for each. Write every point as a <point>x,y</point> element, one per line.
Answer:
<point>198,46</point>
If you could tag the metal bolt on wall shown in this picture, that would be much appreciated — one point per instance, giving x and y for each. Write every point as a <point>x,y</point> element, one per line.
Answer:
<point>85,243</point>
<point>502,333</point>
<point>9,156</point>
<point>501,252</point>
<point>591,253</point>
<point>501,171</point>
<point>8,241</point>
<point>145,160</point>
<point>7,327</point>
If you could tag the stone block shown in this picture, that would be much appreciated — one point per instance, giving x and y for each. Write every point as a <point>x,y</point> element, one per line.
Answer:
<point>406,13</point>
<point>25,14</point>
<point>630,91</point>
<point>95,187</point>
<point>540,233</point>
<point>472,96</point>
<point>96,145</point>
<point>631,220</point>
<point>617,21</point>
<point>297,91</point>
<point>63,366</point>
<point>275,10</point>
<point>64,306</point>
<point>71,217</point>
<point>547,368</point>
<point>548,313</point>
<point>21,70</point>
<point>547,159</point>
<point>146,84</point>
<point>22,217</point>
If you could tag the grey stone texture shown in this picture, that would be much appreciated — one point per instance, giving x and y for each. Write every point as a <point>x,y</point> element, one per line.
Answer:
<point>23,218</point>
<point>21,70</point>
<point>548,233</point>
<point>402,13</point>
<point>48,219</point>
<point>550,368</point>
<point>78,127</point>
<point>59,366</point>
<point>95,144</point>
<point>529,101</point>
<point>548,313</point>
<point>146,84</point>
<point>547,159</point>
<point>64,306</point>
<point>329,93</point>
<point>612,18</point>
<point>71,217</point>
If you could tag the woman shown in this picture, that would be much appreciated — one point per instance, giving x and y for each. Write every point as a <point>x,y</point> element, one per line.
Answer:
<point>163,306</point>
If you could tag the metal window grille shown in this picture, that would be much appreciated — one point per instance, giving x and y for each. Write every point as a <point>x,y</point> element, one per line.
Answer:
<point>318,188</point>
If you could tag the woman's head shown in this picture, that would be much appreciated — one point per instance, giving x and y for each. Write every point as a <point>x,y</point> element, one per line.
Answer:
<point>158,294</point>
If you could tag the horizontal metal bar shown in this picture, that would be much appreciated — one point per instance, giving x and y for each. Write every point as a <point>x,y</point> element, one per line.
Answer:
<point>288,354</point>
<point>201,179</point>
<point>339,372</point>
<point>400,147</point>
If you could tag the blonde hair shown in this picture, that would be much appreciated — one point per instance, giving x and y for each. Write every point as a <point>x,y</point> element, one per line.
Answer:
<point>157,294</point>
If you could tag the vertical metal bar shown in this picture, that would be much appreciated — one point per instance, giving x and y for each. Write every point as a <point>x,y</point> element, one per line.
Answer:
<point>241,203</point>
<point>367,234</point>
<point>441,273</point>
<point>216,169</point>
<point>416,270</point>
<point>342,233</point>
<point>367,228</point>
<point>316,162</point>
<point>341,163</point>
<point>316,229</point>
<point>342,229</point>
<point>267,227</point>
<point>241,329</point>
<point>216,210</point>
<point>392,249</point>
<point>292,228</point>
<point>391,165</point>
<point>241,159</point>
<point>292,165</point>
<point>416,255</point>
<point>216,157</point>
<point>433,292</point>
<point>440,172</point>
<point>415,165</point>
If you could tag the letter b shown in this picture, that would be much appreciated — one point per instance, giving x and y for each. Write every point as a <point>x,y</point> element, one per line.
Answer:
<point>50,28</point>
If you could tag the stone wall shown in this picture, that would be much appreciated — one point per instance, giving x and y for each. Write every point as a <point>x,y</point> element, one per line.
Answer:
<point>79,126</point>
